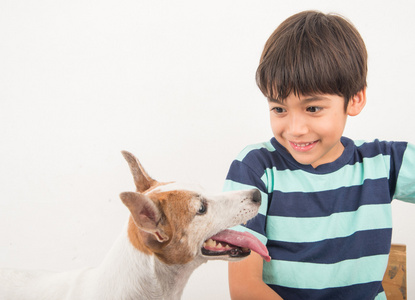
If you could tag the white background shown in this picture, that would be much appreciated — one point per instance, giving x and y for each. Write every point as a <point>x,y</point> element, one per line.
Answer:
<point>172,82</point>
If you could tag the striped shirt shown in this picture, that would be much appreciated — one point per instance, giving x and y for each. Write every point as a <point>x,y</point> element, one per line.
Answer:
<point>328,229</point>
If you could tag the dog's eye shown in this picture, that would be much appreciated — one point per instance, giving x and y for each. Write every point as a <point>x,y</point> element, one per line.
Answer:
<point>202,209</point>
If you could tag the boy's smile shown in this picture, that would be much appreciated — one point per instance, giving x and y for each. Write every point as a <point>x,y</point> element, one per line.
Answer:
<point>303,146</point>
<point>310,127</point>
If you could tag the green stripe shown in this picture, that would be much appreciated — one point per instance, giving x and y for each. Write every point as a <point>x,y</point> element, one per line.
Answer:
<point>244,152</point>
<point>321,276</point>
<point>298,230</point>
<point>359,143</point>
<point>381,296</point>
<point>268,179</point>
<point>236,186</point>
<point>299,181</point>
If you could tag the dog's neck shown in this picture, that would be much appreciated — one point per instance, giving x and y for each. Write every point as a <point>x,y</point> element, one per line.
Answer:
<point>141,276</point>
<point>173,278</point>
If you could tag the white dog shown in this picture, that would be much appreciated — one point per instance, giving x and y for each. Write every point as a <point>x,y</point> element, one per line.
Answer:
<point>172,229</point>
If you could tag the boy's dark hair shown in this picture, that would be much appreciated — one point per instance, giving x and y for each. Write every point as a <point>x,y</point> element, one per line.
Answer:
<point>311,52</point>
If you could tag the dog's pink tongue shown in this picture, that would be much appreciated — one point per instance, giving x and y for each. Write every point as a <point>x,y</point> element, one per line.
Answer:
<point>243,239</point>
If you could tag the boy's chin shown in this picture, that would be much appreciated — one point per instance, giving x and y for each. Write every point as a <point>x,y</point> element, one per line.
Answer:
<point>307,160</point>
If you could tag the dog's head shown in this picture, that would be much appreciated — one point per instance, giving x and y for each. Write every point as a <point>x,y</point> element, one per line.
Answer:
<point>178,223</point>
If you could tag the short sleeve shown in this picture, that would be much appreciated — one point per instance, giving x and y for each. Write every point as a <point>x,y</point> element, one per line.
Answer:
<point>405,183</point>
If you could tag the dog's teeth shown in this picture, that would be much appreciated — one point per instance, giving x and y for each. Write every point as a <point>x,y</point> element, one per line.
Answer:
<point>211,243</point>
<point>219,245</point>
<point>227,247</point>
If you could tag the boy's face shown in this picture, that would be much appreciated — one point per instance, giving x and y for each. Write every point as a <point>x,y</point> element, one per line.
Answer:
<point>310,127</point>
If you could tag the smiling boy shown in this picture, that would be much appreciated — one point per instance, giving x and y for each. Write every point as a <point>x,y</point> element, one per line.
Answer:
<point>326,200</point>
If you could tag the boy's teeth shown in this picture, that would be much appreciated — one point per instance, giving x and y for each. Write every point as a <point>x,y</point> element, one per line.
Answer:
<point>302,145</point>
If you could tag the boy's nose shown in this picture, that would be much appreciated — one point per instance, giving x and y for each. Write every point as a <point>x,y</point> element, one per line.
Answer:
<point>297,126</point>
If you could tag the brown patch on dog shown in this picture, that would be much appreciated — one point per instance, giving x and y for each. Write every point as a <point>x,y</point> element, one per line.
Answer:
<point>177,213</point>
<point>136,237</point>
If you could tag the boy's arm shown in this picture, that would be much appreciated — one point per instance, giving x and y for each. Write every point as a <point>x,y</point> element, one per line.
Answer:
<point>245,280</point>
<point>405,184</point>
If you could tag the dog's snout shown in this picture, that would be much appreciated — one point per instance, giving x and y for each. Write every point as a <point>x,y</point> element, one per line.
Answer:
<point>256,196</point>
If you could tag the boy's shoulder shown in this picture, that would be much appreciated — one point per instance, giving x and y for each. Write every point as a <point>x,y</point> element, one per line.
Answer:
<point>257,149</point>
<point>376,147</point>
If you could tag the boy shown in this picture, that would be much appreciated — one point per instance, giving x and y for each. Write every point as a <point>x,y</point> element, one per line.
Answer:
<point>326,200</point>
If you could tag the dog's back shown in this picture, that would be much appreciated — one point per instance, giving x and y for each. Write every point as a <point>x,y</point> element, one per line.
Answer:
<point>105,282</point>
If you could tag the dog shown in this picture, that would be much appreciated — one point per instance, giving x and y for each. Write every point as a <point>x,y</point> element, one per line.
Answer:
<point>172,229</point>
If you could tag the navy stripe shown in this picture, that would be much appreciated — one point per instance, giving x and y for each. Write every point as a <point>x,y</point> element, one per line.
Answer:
<point>360,244</point>
<point>367,291</point>
<point>396,163</point>
<point>241,173</point>
<point>372,149</point>
<point>325,203</point>
<point>261,159</point>
<point>257,224</point>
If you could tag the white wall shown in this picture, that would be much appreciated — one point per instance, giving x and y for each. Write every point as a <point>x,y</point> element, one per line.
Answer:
<point>172,82</point>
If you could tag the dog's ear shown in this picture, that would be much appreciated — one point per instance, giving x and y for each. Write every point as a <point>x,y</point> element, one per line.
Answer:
<point>145,213</point>
<point>141,179</point>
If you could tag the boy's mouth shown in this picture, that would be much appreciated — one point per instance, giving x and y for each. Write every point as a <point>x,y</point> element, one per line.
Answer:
<point>303,146</point>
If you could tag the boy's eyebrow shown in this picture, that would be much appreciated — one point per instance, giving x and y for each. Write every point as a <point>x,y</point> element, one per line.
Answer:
<point>305,99</point>
<point>275,100</point>
<point>314,98</point>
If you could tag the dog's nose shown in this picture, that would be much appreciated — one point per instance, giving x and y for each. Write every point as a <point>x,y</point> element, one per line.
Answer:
<point>256,196</point>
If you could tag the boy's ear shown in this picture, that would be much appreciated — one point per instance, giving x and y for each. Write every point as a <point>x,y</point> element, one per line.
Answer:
<point>357,103</point>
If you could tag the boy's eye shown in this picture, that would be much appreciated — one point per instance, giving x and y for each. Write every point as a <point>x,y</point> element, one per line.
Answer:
<point>314,109</point>
<point>278,110</point>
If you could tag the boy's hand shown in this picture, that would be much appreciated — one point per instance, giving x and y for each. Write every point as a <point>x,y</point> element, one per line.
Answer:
<point>245,280</point>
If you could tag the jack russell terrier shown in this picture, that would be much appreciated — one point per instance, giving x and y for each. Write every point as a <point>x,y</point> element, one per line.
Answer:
<point>172,229</point>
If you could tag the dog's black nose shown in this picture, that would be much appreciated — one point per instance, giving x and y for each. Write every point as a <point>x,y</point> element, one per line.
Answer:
<point>256,196</point>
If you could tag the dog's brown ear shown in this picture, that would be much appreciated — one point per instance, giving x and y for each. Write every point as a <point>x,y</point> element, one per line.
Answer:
<point>145,213</point>
<point>142,180</point>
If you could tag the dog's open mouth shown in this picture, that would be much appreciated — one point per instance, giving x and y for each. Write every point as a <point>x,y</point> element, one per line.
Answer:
<point>234,244</point>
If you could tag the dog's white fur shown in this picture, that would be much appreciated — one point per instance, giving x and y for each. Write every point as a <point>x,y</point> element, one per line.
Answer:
<point>156,252</point>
